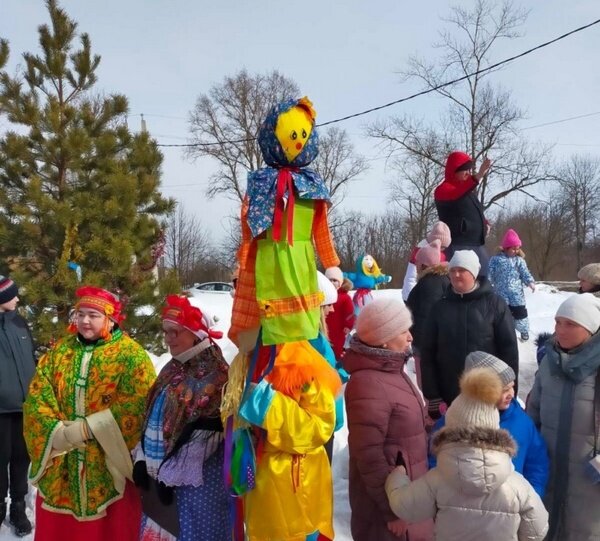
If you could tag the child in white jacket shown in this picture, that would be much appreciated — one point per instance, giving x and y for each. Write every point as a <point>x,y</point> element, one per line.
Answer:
<point>473,493</point>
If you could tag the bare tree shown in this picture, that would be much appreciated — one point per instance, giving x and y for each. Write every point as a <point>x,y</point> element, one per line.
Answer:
<point>187,246</point>
<point>338,162</point>
<point>579,180</point>
<point>230,243</point>
<point>348,231</point>
<point>226,121</point>
<point>412,189</point>
<point>383,236</point>
<point>480,118</point>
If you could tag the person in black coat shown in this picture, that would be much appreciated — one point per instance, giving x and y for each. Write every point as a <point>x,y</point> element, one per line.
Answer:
<point>469,317</point>
<point>431,285</point>
<point>17,366</point>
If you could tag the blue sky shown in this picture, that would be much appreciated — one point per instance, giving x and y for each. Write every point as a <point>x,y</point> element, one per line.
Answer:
<point>344,55</point>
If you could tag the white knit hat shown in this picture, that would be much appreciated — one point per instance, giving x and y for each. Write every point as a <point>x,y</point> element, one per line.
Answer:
<point>327,288</point>
<point>476,405</point>
<point>466,259</point>
<point>583,309</point>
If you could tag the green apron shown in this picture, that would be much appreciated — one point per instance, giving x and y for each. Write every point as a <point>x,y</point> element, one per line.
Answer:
<point>286,281</point>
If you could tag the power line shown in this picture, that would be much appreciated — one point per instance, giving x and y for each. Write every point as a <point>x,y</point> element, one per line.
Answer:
<point>561,120</point>
<point>417,94</point>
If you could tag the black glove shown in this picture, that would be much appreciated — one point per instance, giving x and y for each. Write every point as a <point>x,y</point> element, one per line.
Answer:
<point>165,493</point>
<point>140,475</point>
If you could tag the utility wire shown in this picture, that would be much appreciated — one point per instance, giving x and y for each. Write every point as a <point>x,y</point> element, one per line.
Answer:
<point>561,120</point>
<point>417,94</point>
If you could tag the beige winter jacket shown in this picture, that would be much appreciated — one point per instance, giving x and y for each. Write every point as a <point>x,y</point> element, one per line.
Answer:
<point>474,493</point>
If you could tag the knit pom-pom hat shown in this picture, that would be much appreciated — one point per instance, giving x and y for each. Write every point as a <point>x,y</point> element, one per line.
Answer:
<point>429,255</point>
<point>511,240</point>
<point>441,232</point>
<point>476,405</point>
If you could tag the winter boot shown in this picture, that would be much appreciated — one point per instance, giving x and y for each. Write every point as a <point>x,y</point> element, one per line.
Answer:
<point>2,512</point>
<point>18,519</point>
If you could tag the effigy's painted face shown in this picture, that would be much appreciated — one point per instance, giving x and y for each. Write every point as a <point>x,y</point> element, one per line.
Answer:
<point>293,130</point>
<point>368,262</point>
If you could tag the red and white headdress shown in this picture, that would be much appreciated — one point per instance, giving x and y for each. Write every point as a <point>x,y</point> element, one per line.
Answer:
<point>179,311</point>
<point>101,300</point>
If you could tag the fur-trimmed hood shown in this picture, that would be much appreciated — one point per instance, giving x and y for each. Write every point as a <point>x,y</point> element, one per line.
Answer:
<point>474,460</point>
<point>439,270</point>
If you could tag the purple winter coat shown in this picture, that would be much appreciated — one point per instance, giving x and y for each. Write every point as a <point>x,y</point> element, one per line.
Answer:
<point>385,416</point>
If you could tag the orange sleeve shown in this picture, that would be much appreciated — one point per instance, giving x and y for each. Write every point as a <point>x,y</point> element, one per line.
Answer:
<point>322,237</point>
<point>246,235</point>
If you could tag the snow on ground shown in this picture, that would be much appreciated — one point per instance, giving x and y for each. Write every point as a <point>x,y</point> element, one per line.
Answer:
<point>542,305</point>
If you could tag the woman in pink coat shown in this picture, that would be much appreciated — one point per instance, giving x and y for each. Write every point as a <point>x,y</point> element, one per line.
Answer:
<point>386,421</point>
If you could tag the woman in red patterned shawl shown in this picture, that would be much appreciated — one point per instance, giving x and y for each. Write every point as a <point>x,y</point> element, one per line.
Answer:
<point>180,458</point>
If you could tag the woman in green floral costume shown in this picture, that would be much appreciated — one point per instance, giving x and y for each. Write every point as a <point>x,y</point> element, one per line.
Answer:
<point>82,417</point>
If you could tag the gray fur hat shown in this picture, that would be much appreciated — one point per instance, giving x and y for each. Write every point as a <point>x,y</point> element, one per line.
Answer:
<point>590,273</point>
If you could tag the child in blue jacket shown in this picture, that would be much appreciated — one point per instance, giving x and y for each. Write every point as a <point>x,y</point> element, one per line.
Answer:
<point>508,273</point>
<point>531,459</point>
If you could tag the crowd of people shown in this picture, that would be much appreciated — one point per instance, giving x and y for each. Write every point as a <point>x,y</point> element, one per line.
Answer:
<point>118,452</point>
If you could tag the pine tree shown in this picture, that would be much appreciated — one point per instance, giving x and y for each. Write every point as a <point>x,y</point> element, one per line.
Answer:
<point>77,187</point>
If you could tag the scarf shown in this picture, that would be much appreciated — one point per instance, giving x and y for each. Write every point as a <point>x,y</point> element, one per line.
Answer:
<point>191,390</point>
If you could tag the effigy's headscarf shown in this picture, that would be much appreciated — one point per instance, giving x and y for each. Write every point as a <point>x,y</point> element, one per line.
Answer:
<point>269,186</point>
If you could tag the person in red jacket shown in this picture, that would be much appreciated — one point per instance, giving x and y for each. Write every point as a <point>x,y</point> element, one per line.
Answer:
<point>459,207</point>
<point>341,320</point>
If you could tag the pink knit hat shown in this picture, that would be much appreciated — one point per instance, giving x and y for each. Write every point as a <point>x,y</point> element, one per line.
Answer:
<point>381,320</point>
<point>429,255</point>
<point>511,240</point>
<point>441,232</point>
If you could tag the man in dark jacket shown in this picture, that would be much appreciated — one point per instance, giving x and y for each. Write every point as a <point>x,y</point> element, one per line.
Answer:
<point>459,207</point>
<point>469,317</point>
<point>17,365</point>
